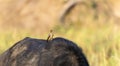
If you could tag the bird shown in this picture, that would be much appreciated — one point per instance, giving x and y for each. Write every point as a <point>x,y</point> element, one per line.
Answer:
<point>50,36</point>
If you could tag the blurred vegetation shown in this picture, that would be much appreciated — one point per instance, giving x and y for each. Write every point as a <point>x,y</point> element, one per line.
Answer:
<point>93,25</point>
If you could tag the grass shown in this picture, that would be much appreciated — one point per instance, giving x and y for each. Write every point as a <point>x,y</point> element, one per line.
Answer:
<point>95,33</point>
<point>100,45</point>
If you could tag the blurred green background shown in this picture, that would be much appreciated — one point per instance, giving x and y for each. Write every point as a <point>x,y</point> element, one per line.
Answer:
<point>94,25</point>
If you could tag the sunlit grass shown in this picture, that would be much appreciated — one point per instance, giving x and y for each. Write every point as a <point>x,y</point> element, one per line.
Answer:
<point>95,32</point>
<point>8,38</point>
<point>101,45</point>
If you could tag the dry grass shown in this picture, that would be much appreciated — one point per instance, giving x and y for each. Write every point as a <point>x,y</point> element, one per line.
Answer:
<point>99,37</point>
<point>101,45</point>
